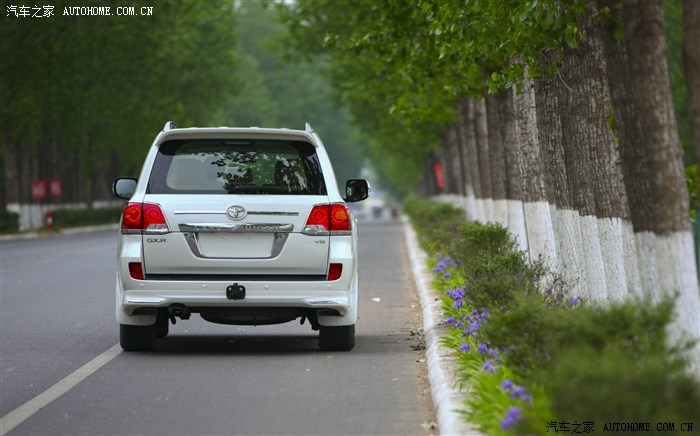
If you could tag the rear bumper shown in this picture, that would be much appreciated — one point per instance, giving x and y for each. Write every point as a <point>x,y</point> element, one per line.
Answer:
<point>340,301</point>
<point>134,304</point>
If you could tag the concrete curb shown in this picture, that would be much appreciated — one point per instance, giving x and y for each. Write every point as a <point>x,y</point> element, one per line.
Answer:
<point>447,397</point>
<point>69,231</point>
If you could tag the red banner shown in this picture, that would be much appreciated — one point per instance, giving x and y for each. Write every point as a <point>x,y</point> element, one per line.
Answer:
<point>39,189</point>
<point>55,187</point>
<point>438,176</point>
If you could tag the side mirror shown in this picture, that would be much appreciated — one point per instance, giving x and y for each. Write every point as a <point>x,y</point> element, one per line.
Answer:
<point>356,190</point>
<point>124,187</point>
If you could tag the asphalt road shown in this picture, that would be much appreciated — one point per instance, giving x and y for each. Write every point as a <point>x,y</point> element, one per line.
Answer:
<point>57,314</point>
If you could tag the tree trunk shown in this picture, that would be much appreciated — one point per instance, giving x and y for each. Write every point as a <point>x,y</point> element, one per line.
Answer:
<point>482,148</point>
<point>565,219</point>
<point>471,161</point>
<point>538,221</point>
<point>691,64</point>
<point>496,160</point>
<point>596,158</point>
<point>651,159</point>
<point>516,214</point>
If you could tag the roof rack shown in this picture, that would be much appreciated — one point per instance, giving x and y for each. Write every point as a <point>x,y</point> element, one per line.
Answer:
<point>309,128</point>
<point>169,126</point>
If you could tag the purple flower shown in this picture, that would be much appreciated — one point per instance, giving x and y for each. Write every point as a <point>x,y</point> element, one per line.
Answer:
<point>483,348</point>
<point>450,320</point>
<point>548,291</point>
<point>513,416</point>
<point>517,393</point>
<point>574,301</point>
<point>458,303</point>
<point>447,276</point>
<point>465,348</point>
<point>489,366</point>
<point>507,385</point>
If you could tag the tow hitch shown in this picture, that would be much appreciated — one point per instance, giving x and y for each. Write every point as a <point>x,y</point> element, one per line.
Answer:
<point>235,292</point>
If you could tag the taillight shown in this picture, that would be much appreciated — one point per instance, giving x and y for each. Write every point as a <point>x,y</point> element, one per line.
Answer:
<point>335,270</point>
<point>147,217</point>
<point>318,216</point>
<point>153,218</point>
<point>136,270</point>
<point>327,219</point>
<point>340,217</point>
<point>131,217</point>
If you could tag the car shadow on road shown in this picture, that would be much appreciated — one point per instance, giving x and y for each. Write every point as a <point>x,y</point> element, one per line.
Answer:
<point>207,344</point>
<point>237,344</point>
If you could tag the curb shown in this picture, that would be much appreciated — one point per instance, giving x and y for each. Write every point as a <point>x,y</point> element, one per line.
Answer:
<point>69,231</point>
<point>447,397</point>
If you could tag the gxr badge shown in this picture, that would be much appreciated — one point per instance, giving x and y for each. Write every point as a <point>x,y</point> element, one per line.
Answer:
<point>236,212</point>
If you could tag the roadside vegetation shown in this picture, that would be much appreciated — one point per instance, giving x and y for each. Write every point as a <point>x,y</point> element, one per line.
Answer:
<point>535,358</point>
<point>84,96</point>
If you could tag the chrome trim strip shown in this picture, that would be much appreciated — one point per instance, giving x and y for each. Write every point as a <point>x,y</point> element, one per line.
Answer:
<point>277,244</point>
<point>218,212</point>
<point>199,212</point>
<point>273,213</point>
<point>236,228</point>
<point>143,300</point>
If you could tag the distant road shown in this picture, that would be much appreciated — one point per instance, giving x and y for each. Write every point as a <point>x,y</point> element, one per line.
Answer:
<point>57,314</point>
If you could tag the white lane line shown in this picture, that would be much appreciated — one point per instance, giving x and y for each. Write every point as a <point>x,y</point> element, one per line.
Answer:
<point>20,414</point>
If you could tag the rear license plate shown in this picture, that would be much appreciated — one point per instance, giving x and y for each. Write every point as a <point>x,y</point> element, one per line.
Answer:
<point>236,245</point>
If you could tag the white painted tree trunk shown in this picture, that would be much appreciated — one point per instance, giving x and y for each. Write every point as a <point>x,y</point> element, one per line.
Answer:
<point>570,252</point>
<point>675,261</point>
<point>646,259</point>
<point>479,209</point>
<point>540,234</point>
<point>612,248</point>
<point>488,210</point>
<point>516,223</point>
<point>595,268</point>
<point>634,284</point>
<point>500,212</point>
<point>470,204</point>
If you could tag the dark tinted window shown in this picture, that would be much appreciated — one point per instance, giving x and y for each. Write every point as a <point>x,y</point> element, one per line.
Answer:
<point>237,167</point>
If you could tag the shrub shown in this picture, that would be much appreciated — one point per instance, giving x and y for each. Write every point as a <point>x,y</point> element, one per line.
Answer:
<point>9,222</point>
<point>569,361</point>
<point>81,217</point>
<point>436,223</point>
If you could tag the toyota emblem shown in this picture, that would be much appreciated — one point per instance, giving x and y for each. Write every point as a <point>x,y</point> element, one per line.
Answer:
<point>236,212</point>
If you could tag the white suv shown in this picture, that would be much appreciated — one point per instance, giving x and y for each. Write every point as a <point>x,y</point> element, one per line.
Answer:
<point>241,225</point>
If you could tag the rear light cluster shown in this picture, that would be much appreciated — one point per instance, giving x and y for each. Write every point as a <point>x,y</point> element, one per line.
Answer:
<point>325,219</point>
<point>136,270</point>
<point>335,270</point>
<point>143,218</point>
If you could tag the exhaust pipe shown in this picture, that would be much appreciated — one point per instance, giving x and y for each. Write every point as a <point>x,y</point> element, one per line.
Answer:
<point>179,310</point>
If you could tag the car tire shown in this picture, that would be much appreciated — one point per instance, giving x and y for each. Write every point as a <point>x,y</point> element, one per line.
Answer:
<point>162,324</point>
<point>137,337</point>
<point>337,338</point>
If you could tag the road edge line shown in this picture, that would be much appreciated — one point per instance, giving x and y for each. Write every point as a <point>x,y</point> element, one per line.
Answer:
<point>10,421</point>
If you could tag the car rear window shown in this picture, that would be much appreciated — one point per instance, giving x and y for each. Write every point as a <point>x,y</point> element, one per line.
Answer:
<point>236,167</point>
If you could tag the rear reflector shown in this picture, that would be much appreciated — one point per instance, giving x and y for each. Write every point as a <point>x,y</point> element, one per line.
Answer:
<point>136,270</point>
<point>335,271</point>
